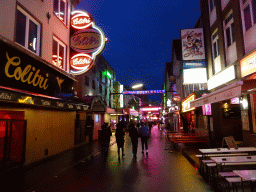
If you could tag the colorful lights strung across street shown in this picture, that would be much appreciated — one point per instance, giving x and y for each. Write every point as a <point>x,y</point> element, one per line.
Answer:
<point>143,92</point>
<point>87,41</point>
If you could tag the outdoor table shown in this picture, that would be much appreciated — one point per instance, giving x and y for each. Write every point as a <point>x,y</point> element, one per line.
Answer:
<point>206,152</point>
<point>215,151</point>
<point>235,160</point>
<point>247,175</point>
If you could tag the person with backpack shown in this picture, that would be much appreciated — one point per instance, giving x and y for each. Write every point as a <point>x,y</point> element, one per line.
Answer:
<point>144,135</point>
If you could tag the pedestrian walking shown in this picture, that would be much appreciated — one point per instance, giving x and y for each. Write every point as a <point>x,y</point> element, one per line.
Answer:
<point>104,137</point>
<point>133,133</point>
<point>144,135</point>
<point>120,138</point>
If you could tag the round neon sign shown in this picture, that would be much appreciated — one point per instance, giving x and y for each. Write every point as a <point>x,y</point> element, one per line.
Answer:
<point>87,41</point>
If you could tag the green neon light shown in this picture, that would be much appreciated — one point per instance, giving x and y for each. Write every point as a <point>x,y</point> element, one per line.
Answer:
<point>107,73</point>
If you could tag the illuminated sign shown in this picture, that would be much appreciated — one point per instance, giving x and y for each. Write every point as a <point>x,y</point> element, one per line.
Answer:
<point>248,64</point>
<point>187,65</point>
<point>108,74</point>
<point>186,103</point>
<point>235,100</point>
<point>121,100</point>
<point>80,20</point>
<point>143,92</point>
<point>87,41</point>
<point>176,97</point>
<point>194,76</point>
<point>151,109</point>
<point>222,78</point>
<point>207,110</point>
<point>81,61</point>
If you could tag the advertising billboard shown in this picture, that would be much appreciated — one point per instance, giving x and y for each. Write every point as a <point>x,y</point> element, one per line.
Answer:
<point>192,41</point>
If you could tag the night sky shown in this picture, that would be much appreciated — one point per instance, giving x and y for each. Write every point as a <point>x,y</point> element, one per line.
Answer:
<point>140,34</point>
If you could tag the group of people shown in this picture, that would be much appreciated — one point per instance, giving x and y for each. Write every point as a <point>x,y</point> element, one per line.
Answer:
<point>136,130</point>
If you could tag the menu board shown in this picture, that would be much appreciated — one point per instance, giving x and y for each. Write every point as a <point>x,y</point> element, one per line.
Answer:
<point>230,141</point>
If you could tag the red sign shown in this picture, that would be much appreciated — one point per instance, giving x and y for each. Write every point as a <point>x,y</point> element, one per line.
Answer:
<point>80,20</point>
<point>80,61</point>
<point>87,41</point>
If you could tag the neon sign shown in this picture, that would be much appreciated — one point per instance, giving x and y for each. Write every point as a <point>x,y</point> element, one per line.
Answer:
<point>81,61</point>
<point>87,41</point>
<point>80,20</point>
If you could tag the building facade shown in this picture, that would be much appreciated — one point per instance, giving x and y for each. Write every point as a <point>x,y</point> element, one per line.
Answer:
<point>35,81</point>
<point>230,44</point>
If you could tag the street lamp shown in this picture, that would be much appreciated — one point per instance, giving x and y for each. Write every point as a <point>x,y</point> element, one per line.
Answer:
<point>137,86</point>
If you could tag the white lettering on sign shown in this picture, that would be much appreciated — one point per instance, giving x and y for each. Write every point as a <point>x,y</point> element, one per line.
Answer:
<point>70,106</point>
<point>5,96</point>
<point>60,104</point>
<point>45,102</point>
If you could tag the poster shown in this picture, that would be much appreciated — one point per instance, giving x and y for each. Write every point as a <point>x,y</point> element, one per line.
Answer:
<point>192,41</point>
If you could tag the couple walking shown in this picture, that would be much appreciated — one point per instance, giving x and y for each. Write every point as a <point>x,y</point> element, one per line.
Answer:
<point>136,131</point>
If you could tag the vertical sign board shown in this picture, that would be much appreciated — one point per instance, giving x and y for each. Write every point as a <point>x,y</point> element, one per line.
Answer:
<point>192,41</point>
<point>87,41</point>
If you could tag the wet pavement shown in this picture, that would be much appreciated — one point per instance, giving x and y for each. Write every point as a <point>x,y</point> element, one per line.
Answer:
<point>160,170</point>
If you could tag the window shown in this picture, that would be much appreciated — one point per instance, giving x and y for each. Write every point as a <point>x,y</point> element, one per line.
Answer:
<point>27,31</point>
<point>248,13</point>
<point>215,52</point>
<point>60,9</point>
<point>211,4</point>
<point>59,53</point>
<point>93,84</point>
<point>229,30</point>
<point>100,88</point>
<point>86,80</point>
<point>215,45</point>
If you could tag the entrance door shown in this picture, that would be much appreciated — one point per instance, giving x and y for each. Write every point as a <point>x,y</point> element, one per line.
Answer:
<point>12,139</point>
<point>98,121</point>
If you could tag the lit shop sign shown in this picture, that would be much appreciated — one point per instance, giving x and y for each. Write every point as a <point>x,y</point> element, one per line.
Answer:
<point>186,104</point>
<point>248,64</point>
<point>87,41</point>
<point>188,65</point>
<point>121,101</point>
<point>143,92</point>
<point>176,97</point>
<point>222,78</point>
<point>194,76</point>
<point>20,71</point>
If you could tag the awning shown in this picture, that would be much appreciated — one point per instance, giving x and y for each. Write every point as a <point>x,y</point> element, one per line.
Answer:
<point>225,93</point>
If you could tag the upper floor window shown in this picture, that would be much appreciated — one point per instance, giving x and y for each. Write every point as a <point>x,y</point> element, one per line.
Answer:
<point>215,46</point>
<point>86,80</point>
<point>248,13</point>
<point>27,31</point>
<point>60,9</point>
<point>59,53</point>
<point>229,30</point>
<point>211,5</point>
<point>215,52</point>
<point>93,84</point>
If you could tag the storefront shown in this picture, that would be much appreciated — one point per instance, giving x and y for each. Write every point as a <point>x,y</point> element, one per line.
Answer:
<point>36,120</point>
<point>248,98</point>
<point>222,109</point>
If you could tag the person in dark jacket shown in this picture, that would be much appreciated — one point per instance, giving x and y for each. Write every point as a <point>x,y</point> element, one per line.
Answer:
<point>133,133</point>
<point>120,138</point>
<point>104,138</point>
<point>144,135</point>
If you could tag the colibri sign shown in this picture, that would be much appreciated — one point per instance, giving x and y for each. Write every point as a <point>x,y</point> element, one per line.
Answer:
<point>87,41</point>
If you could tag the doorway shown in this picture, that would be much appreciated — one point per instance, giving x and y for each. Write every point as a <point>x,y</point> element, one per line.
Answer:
<point>12,138</point>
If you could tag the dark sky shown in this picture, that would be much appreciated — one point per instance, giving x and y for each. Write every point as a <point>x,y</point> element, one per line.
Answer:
<point>140,34</point>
